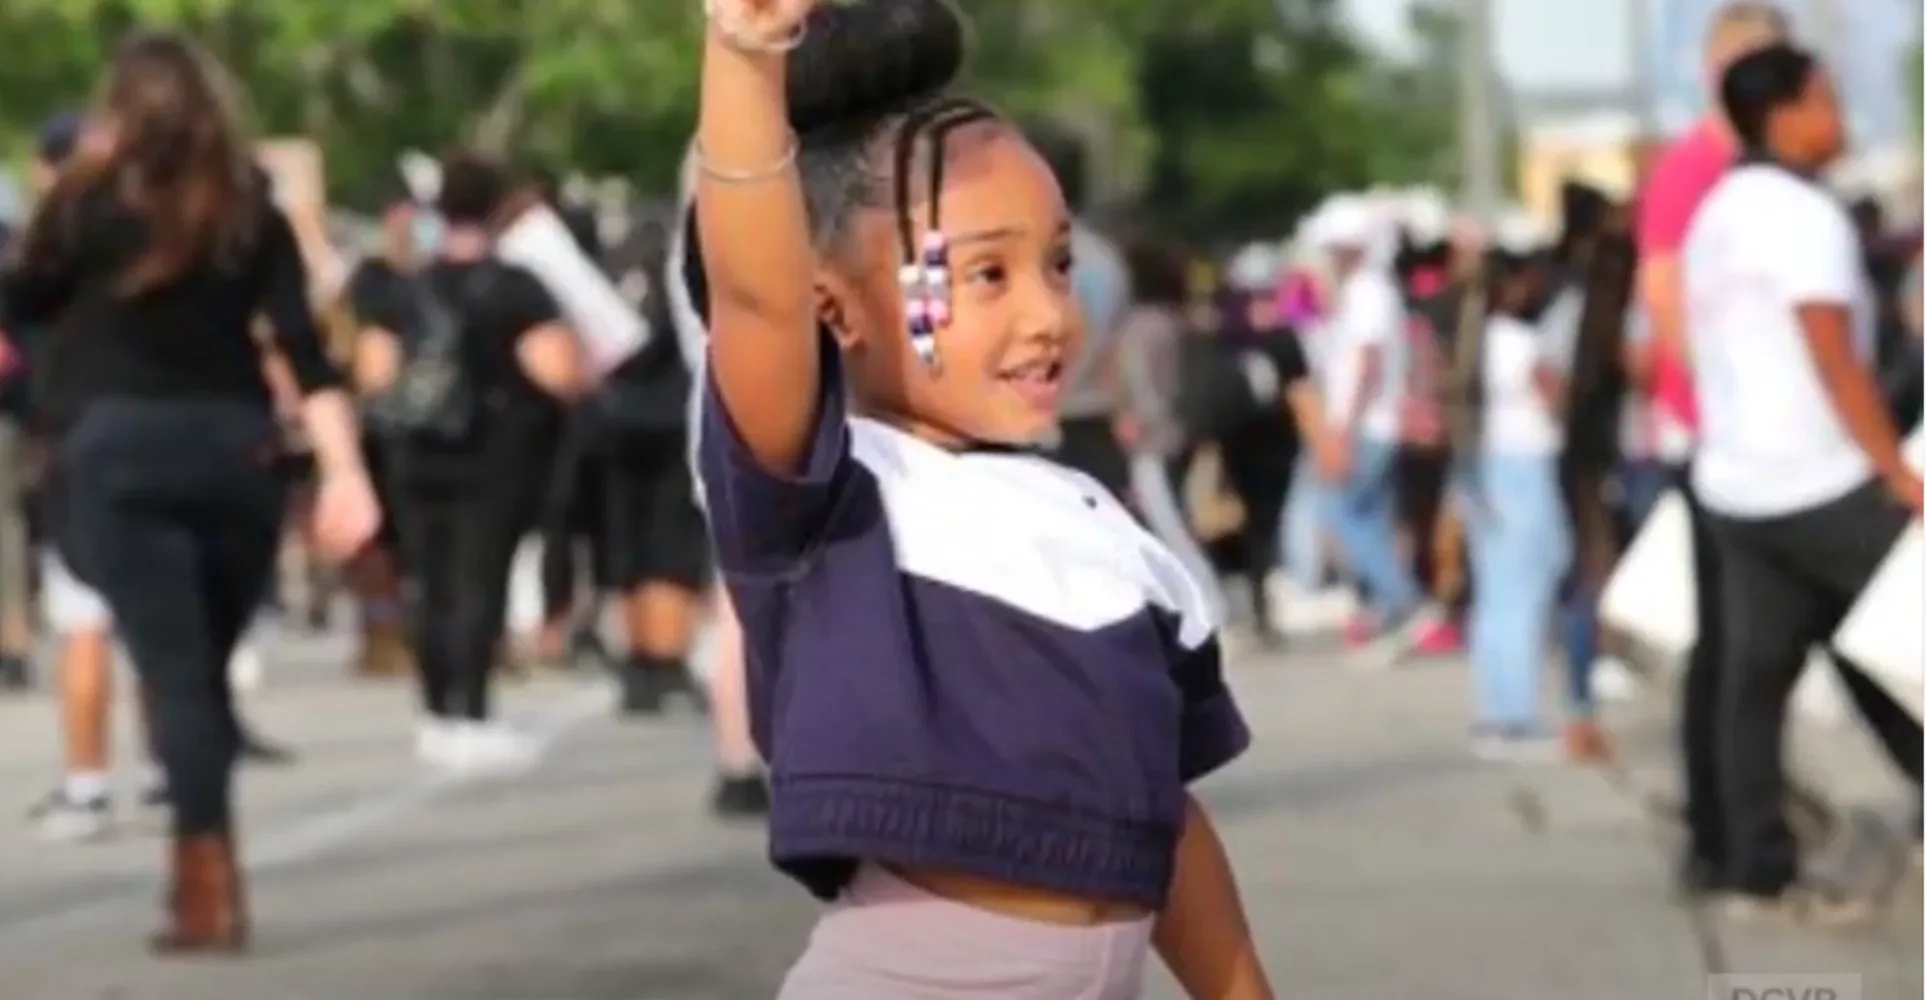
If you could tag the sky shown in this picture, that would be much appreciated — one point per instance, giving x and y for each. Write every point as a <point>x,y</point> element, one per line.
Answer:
<point>1585,44</point>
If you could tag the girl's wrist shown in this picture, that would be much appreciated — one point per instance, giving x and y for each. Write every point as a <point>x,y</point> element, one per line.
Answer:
<point>746,49</point>
<point>751,41</point>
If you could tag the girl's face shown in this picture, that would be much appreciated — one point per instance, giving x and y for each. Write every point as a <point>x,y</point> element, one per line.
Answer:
<point>1014,327</point>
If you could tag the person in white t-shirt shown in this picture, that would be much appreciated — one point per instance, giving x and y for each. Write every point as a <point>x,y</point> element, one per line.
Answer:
<point>1799,466</point>
<point>1518,531</point>
<point>1362,375</point>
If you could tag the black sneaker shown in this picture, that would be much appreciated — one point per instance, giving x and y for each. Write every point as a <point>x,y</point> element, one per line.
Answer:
<point>585,645</point>
<point>66,819</point>
<point>645,690</point>
<point>156,813</point>
<point>255,750</point>
<point>16,674</point>
<point>1807,903</point>
<point>740,796</point>
<point>683,682</point>
<point>649,685</point>
<point>1697,877</point>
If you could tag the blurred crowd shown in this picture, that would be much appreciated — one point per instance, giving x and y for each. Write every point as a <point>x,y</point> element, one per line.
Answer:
<point>1430,431</point>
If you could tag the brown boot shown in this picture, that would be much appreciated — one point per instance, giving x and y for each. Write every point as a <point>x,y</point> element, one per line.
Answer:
<point>206,908</point>
<point>1586,743</point>
<point>385,654</point>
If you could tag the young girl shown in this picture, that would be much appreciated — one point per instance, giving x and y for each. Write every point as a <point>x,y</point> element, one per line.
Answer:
<point>1515,518</point>
<point>980,686</point>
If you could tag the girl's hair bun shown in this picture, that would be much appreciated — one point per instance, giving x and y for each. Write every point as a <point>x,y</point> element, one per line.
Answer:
<point>865,60</point>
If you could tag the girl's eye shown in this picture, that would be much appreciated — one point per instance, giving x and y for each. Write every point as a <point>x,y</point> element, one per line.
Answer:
<point>987,274</point>
<point>1062,262</point>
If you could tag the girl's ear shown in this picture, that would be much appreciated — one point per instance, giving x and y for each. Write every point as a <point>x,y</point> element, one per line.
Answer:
<point>834,312</point>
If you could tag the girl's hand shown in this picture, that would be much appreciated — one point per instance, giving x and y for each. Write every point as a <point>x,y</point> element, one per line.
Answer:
<point>759,25</point>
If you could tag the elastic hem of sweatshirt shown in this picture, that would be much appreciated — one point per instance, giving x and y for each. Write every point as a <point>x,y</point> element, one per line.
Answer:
<point>820,827</point>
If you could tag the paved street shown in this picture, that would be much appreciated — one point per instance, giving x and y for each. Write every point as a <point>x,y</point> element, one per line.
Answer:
<point>1379,861</point>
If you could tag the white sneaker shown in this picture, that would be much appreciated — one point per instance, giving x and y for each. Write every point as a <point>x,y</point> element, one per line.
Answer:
<point>1299,611</point>
<point>490,748</point>
<point>434,740</point>
<point>244,669</point>
<point>62,818</point>
<point>1515,748</point>
<point>1612,680</point>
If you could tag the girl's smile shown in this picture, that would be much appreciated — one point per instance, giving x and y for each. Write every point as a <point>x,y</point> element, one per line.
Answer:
<point>1038,383</point>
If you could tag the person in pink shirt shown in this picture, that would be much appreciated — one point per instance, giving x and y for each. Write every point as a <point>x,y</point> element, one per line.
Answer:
<point>1660,365</point>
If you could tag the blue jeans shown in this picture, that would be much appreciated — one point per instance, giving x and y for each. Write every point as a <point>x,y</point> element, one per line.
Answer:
<point>1520,542</point>
<point>1581,646</point>
<point>1641,482</point>
<point>1362,513</point>
<point>1303,534</point>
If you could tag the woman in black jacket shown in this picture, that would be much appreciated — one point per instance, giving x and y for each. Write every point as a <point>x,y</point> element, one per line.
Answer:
<point>150,258</point>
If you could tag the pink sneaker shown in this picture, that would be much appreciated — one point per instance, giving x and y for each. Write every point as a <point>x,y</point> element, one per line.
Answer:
<point>1361,630</point>
<point>1440,639</point>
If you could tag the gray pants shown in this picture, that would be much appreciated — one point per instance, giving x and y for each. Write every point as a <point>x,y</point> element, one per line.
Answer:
<point>16,599</point>
<point>1162,510</point>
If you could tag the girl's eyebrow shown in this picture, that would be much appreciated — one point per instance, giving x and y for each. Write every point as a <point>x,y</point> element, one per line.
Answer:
<point>995,234</point>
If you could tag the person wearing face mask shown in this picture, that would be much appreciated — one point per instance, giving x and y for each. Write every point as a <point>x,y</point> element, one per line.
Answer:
<point>1431,309</point>
<point>461,467</point>
<point>1363,371</point>
<point>409,234</point>
<point>1518,531</point>
<point>1264,370</point>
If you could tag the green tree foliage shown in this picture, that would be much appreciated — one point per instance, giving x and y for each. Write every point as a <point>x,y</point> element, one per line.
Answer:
<point>1224,114</point>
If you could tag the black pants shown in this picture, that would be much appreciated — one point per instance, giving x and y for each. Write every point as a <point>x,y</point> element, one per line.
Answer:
<point>459,539</point>
<point>564,527</point>
<point>1698,702</point>
<point>1422,475</point>
<point>1089,445</point>
<point>1786,583</point>
<point>648,527</point>
<point>1258,462</point>
<point>173,512</point>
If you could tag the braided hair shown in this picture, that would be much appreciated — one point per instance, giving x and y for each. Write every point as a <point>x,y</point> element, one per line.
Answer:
<point>869,93</point>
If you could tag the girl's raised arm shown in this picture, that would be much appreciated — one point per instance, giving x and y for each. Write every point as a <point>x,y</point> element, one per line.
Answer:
<point>763,345</point>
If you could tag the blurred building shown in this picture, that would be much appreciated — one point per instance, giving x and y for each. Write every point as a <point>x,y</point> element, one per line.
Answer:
<point>1590,136</point>
<point>1594,138</point>
<point>1601,148</point>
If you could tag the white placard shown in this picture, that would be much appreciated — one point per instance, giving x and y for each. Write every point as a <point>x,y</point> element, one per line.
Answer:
<point>610,329</point>
<point>1882,632</point>
<point>1652,595</point>
<point>1653,598</point>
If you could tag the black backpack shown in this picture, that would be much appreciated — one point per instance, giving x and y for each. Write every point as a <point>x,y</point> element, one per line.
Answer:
<point>1214,396</point>
<point>434,399</point>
